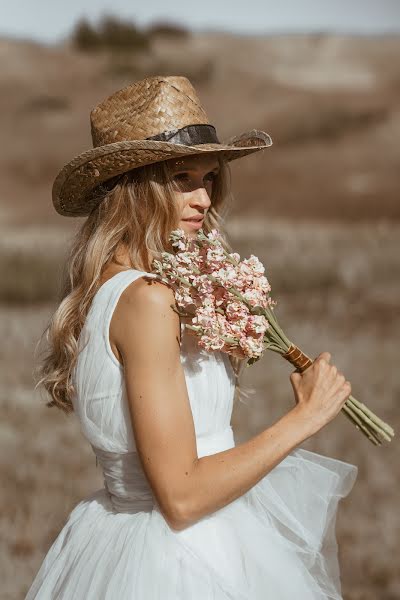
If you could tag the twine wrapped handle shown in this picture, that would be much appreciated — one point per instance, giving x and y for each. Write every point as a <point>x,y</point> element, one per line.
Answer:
<point>297,358</point>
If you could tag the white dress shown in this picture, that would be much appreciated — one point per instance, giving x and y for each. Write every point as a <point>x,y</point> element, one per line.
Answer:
<point>276,542</point>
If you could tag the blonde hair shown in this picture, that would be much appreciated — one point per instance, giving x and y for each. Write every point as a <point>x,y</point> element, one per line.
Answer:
<point>137,209</point>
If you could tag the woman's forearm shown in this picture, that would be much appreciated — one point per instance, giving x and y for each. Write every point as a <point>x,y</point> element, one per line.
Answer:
<point>220,478</point>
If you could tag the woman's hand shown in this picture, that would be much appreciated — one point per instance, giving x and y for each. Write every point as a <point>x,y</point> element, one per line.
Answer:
<point>320,392</point>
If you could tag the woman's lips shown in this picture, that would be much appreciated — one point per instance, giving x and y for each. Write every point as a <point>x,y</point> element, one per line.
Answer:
<point>194,223</point>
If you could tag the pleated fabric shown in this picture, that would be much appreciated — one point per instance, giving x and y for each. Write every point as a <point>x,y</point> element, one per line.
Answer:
<point>275,542</point>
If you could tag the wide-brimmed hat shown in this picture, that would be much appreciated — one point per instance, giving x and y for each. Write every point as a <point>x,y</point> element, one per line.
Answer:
<point>149,121</point>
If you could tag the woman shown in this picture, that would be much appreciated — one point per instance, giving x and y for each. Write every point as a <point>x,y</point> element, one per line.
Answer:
<point>184,514</point>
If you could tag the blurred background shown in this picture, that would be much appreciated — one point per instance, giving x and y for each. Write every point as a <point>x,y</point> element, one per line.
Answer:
<point>320,208</point>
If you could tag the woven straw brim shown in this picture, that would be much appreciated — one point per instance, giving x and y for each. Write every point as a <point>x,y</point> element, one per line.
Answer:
<point>74,185</point>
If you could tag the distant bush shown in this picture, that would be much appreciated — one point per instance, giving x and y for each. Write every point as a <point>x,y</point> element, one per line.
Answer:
<point>170,30</point>
<point>45,103</point>
<point>85,37</point>
<point>111,34</point>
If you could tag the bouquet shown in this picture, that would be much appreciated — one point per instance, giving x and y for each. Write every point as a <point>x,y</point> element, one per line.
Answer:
<point>229,303</point>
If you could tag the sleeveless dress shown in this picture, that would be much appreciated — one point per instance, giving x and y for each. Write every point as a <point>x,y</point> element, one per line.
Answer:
<point>275,542</point>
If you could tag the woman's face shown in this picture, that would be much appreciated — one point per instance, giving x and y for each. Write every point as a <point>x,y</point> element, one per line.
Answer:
<point>194,175</point>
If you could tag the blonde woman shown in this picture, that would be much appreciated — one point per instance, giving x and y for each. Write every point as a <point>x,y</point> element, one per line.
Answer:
<point>185,514</point>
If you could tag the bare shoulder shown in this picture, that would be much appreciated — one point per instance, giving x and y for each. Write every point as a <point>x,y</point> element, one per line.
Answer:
<point>147,292</point>
<point>145,312</point>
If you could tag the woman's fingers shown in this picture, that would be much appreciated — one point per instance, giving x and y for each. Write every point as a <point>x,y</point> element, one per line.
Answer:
<point>324,357</point>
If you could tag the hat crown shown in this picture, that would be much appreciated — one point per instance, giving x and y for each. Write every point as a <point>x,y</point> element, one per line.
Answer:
<point>146,108</point>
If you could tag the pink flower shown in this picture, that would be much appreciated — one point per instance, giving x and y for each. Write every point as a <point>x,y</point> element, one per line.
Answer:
<point>261,284</point>
<point>182,297</point>
<point>236,310</point>
<point>255,265</point>
<point>205,317</point>
<point>203,284</point>
<point>236,329</point>
<point>226,275</point>
<point>257,324</point>
<point>214,235</point>
<point>254,297</point>
<point>252,347</point>
<point>215,257</point>
<point>211,342</point>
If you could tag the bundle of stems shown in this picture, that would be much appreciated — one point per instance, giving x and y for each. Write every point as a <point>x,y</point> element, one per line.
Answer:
<point>376,430</point>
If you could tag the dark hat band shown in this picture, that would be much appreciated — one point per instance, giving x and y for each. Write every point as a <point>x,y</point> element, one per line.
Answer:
<point>191,135</point>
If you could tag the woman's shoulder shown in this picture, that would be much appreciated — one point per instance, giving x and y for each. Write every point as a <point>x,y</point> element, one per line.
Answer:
<point>145,310</point>
<point>147,292</point>
<point>143,319</point>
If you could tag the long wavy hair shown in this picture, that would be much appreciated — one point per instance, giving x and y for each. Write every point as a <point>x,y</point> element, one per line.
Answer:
<point>138,210</point>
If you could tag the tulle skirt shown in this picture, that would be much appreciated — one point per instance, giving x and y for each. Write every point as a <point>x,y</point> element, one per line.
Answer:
<point>276,542</point>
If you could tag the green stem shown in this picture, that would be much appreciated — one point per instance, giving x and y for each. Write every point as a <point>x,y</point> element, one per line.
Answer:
<point>274,348</point>
<point>353,418</point>
<point>194,327</point>
<point>369,422</point>
<point>372,415</point>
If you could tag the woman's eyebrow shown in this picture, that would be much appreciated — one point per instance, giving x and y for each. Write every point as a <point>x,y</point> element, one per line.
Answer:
<point>187,169</point>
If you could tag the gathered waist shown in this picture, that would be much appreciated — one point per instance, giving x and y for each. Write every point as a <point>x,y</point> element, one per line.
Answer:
<point>126,482</point>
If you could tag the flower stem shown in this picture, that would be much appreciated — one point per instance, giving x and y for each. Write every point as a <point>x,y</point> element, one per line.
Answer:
<point>369,421</point>
<point>368,412</point>
<point>358,424</point>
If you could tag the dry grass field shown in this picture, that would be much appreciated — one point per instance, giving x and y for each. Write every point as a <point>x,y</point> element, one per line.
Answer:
<point>320,209</point>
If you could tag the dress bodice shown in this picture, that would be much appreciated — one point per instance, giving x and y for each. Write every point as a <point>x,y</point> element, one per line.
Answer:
<point>101,405</point>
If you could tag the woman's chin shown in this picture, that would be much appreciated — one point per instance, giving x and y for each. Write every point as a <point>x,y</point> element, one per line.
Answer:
<point>189,231</point>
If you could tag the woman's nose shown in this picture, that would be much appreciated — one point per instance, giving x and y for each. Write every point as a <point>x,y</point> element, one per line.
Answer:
<point>200,197</point>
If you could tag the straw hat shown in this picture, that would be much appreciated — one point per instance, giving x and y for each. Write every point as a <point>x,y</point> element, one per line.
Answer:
<point>149,121</point>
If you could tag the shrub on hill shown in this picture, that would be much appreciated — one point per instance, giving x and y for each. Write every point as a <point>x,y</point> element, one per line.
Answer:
<point>111,33</point>
<point>167,30</point>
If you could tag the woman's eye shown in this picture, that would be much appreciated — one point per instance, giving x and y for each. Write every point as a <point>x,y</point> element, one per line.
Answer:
<point>181,177</point>
<point>184,178</point>
<point>210,176</point>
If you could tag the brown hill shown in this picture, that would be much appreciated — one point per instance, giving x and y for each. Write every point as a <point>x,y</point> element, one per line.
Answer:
<point>329,103</point>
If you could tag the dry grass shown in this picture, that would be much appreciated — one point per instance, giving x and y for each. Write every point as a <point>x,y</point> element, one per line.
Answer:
<point>31,264</point>
<point>337,288</point>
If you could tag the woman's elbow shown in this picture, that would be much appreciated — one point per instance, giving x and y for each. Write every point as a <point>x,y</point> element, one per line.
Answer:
<point>177,513</point>
<point>178,502</point>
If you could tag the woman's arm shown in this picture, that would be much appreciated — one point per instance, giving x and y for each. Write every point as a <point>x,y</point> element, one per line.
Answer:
<point>145,331</point>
